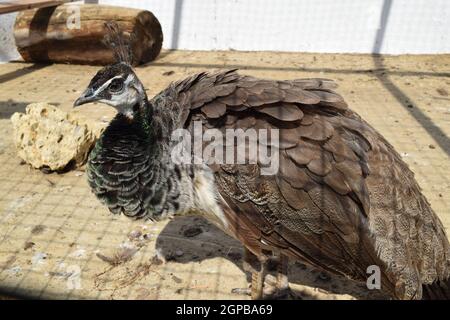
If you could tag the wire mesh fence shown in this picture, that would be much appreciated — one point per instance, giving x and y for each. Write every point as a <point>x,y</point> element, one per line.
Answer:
<point>58,241</point>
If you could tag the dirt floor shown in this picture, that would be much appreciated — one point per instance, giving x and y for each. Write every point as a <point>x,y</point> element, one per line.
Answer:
<point>57,241</point>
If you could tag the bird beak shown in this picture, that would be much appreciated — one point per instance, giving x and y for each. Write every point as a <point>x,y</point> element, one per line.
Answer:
<point>86,97</point>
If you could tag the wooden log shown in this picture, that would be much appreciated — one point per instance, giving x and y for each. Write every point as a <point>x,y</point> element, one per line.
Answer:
<point>53,34</point>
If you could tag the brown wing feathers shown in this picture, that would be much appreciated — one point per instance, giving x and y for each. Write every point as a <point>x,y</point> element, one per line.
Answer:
<point>305,164</point>
<point>317,207</point>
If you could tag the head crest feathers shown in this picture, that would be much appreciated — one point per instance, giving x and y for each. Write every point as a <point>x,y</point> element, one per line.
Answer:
<point>119,42</point>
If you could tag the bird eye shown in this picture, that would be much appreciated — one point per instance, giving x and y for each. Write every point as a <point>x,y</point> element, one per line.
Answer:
<point>115,86</point>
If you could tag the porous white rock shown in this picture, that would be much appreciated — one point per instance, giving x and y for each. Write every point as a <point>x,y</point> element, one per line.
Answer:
<point>50,138</point>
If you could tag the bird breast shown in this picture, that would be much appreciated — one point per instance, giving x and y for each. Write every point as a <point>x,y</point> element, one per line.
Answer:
<point>207,199</point>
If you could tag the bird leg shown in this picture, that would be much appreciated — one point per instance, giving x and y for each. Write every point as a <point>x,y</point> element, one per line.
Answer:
<point>258,269</point>
<point>258,277</point>
<point>251,261</point>
<point>282,273</point>
<point>264,285</point>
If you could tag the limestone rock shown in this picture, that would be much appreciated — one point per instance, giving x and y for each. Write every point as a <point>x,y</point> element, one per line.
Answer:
<point>49,138</point>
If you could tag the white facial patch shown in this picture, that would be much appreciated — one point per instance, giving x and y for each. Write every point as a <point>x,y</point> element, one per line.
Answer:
<point>128,79</point>
<point>105,85</point>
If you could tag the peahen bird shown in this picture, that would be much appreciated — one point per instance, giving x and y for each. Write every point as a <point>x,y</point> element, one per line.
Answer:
<point>342,199</point>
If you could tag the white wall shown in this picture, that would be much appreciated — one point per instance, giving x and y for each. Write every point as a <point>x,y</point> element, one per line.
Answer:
<point>358,26</point>
<point>411,26</point>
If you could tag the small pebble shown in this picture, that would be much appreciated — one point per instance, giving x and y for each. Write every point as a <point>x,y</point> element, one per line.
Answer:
<point>28,245</point>
<point>442,92</point>
<point>431,146</point>
<point>38,229</point>
<point>147,236</point>
<point>179,253</point>
<point>135,234</point>
<point>176,279</point>
<point>192,231</point>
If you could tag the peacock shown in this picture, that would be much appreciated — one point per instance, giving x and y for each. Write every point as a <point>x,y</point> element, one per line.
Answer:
<point>342,199</point>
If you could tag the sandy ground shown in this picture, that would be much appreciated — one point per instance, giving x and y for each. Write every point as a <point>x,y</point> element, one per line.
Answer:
<point>56,239</point>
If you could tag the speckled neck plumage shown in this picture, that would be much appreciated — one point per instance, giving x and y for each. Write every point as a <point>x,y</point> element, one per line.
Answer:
<point>130,170</point>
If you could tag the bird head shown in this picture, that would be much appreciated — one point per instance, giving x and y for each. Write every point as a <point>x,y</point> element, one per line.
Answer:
<point>116,85</point>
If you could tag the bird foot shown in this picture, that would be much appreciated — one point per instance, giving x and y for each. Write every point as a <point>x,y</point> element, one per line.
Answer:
<point>273,290</point>
<point>242,291</point>
<point>248,291</point>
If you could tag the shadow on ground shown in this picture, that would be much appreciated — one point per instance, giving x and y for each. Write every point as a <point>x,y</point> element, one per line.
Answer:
<point>193,239</point>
